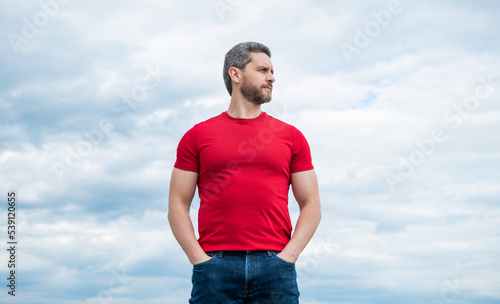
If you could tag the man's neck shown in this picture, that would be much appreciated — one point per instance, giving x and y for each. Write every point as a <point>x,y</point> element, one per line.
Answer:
<point>242,108</point>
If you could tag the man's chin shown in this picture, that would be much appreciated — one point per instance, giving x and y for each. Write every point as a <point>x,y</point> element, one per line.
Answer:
<point>261,101</point>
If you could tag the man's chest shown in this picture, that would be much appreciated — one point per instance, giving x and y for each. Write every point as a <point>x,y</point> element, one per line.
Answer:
<point>258,149</point>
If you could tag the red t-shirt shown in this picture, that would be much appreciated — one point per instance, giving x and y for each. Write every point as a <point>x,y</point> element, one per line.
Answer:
<point>244,168</point>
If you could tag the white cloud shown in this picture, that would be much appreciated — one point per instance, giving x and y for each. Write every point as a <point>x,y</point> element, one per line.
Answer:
<point>108,213</point>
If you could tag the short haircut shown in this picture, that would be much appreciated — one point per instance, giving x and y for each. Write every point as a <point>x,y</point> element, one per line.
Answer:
<point>239,56</point>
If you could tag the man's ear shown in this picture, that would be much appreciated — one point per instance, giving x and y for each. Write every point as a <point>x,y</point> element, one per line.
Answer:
<point>235,74</point>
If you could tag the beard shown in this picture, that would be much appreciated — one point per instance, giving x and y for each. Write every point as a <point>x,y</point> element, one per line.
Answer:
<point>253,93</point>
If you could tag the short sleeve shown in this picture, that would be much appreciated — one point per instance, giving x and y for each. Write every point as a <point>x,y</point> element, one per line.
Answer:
<point>301,153</point>
<point>187,152</point>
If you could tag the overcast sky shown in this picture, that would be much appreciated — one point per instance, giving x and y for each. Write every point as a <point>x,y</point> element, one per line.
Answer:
<point>399,101</point>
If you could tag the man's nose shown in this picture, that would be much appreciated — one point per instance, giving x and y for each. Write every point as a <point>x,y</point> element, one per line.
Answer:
<point>270,78</point>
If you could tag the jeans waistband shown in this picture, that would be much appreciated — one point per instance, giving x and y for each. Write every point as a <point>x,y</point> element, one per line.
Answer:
<point>220,253</point>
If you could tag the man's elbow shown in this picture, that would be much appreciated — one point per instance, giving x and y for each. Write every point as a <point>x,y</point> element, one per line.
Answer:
<point>313,205</point>
<point>316,207</point>
<point>172,210</point>
<point>175,208</point>
<point>169,215</point>
<point>318,211</point>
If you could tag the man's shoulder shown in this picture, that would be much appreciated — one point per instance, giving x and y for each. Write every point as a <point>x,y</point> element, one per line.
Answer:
<point>279,124</point>
<point>210,121</point>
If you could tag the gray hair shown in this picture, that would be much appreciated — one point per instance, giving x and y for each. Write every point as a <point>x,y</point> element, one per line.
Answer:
<point>239,56</point>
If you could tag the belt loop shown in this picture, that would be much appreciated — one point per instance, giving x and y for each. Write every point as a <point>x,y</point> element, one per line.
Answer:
<point>220,253</point>
<point>269,253</point>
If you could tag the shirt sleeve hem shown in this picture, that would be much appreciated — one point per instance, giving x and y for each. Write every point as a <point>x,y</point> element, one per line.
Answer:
<point>186,168</point>
<point>302,169</point>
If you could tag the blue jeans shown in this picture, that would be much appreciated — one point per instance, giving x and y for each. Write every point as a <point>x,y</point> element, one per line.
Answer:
<point>244,277</point>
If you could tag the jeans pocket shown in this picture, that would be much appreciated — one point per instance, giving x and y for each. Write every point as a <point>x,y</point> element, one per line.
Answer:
<point>212,255</point>
<point>275,254</point>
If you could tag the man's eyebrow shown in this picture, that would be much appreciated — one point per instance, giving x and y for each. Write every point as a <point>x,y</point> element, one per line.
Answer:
<point>265,68</point>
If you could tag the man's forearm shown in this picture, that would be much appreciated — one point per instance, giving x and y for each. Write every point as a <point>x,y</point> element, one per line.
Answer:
<point>308,221</point>
<point>182,228</point>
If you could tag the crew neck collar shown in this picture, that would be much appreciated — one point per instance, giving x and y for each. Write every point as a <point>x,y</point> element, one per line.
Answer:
<point>261,115</point>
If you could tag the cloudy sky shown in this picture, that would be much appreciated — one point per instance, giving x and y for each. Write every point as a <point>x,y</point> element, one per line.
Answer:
<point>399,101</point>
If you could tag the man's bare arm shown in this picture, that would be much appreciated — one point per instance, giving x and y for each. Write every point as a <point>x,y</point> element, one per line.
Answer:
<point>306,192</point>
<point>182,188</point>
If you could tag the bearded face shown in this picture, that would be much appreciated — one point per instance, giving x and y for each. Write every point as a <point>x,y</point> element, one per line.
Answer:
<point>255,94</point>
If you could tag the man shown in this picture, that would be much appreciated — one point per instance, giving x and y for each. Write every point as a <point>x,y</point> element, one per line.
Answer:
<point>243,162</point>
